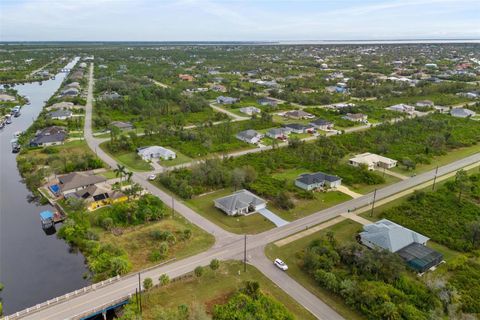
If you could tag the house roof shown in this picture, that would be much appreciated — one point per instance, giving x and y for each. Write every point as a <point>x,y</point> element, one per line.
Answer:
<point>276,131</point>
<point>462,112</point>
<point>321,122</point>
<point>248,134</point>
<point>155,149</point>
<point>60,114</point>
<point>297,126</point>
<point>79,179</point>
<point>238,200</point>
<point>297,113</point>
<point>50,134</point>
<point>318,177</point>
<point>355,115</point>
<point>390,236</point>
<point>369,158</point>
<point>121,125</point>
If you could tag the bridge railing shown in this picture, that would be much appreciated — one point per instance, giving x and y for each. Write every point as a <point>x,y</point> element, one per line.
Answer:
<point>76,293</point>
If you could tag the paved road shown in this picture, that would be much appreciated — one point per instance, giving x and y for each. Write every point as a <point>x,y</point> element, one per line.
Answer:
<point>229,246</point>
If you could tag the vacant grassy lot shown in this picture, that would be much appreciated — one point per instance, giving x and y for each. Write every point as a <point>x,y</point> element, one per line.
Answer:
<point>138,243</point>
<point>128,159</point>
<point>251,224</point>
<point>344,232</point>
<point>215,287</point>
<point>364,188</point>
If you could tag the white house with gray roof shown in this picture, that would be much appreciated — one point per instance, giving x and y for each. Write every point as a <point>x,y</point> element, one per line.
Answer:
<point>156,152</point>
<point>390,236</point>
<point>311,181</point>
<point>242,202</point>
<point>249,136</point>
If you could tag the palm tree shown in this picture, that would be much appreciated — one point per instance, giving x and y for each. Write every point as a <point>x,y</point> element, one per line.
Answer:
<point>129,175</point>
<point>120,171</point>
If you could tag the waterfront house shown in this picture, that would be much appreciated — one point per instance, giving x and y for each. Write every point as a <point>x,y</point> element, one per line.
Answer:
<point>75,181</point>
<point>60,115</point>
<point>49,136</point>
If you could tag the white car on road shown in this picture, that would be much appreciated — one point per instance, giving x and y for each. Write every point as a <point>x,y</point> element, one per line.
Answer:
<point>280,264</point>
<point>152,177</point>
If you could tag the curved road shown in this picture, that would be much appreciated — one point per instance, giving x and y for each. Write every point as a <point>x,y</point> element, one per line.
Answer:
<point>228,245</point>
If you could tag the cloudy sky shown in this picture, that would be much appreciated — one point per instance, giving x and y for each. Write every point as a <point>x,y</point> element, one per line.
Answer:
<point>222,20</point>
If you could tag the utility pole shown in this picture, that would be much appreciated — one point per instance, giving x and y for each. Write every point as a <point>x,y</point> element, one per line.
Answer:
<point>173,206</point>
<point>245,255</point>
<point>435,179</point>
<point>140,294</point>
<point>373,203</point>
<point>136,295</point>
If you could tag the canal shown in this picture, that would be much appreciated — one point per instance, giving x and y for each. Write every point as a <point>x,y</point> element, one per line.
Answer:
<point>34,266</point>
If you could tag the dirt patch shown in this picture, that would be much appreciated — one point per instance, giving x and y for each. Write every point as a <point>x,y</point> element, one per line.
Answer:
<point>222,299</point>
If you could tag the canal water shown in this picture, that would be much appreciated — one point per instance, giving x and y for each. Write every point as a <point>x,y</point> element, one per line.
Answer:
<point>34,266</point>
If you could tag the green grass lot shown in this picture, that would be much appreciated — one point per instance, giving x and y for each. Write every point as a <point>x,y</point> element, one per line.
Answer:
<point>323,200</point>
<point>440,160</point>
<point>128,159</point>
<point>138,244</point>
<point>283,120</point>
<point>364,189</point>
<point>251,224</point>
<point>344,232</point>
<point>215,287</point>
<point>79,147</point>
<point>180,159</point>
<point>108,174</point>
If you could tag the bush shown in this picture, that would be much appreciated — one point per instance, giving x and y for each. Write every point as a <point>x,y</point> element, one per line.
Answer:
<point>198,271</point>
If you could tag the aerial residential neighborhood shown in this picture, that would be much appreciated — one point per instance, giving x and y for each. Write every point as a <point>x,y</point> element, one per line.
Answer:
<point>202,160</point>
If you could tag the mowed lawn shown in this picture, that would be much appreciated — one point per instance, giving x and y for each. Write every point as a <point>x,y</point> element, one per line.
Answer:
<point>215,287</point>
<point>344,232</point>
<point>128,159</point>
<point>138,243</point>
<point>251,224</point>
<point>303,207</point>
<point>365,188</point>
<point>180,159</point>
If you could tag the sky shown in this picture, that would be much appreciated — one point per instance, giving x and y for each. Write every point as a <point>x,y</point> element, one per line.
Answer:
<point>237,20</point>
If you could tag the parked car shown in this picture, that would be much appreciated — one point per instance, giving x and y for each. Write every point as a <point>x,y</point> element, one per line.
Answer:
<point>280,264</point>
<point>152,177</point>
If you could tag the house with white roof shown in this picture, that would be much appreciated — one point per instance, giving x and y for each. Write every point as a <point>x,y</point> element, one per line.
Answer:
<point>250,110</point>
<point>405,108</point>
<point>372,161</point>
<point>462,113</point>
<point>156,152</point>
<point>249,136</point>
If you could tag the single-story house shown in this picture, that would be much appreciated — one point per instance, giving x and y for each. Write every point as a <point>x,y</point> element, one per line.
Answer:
<point>372,161</point>
<point>226,100</point>
<point>356,117</point>
<point>60,115</point>
<point>97,196</point>
<point>76,181</point>
<point>6,98</point>
<point>241,202</point>
<point>250,110</point>
<point>299,128</point>
<point>185,77</point>
<point>49,136</point>
<point>156,152</point>
<point>218,88</point>
<point>71,92</point>
<point>249,136</point>
<point>462,113</point>
<point>278,133</point>
<point>62,105</point>
<point>298,114</point>
<point>405,108</point>
<point>122,125</point>
<point>267,102</point>
<point>110,95</point>
<point>322,124</point>
<point>410,245</point>
<point>425,103</point>
<point>311,181</point>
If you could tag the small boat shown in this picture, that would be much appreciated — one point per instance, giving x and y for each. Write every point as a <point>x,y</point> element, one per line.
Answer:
<point>2,124</point>
<point>46,218</point>
<point>15,146</point>
<point>9,119</point>
<point>17,114</point>
<point>17,134</point>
